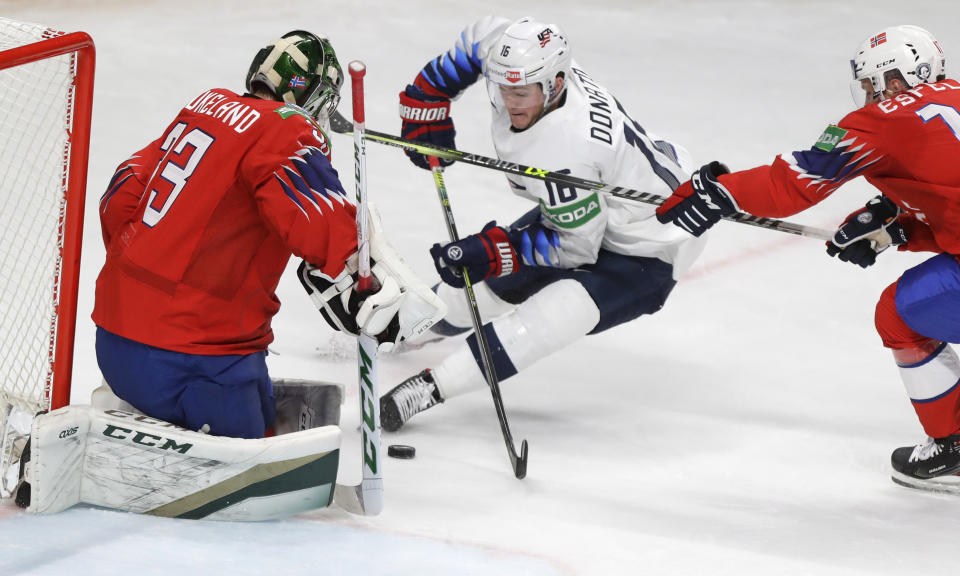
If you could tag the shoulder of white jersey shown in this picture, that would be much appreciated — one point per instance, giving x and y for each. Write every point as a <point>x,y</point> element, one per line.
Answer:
<point>594,107</point>
<point>611,128</point>
<point>483,34</point>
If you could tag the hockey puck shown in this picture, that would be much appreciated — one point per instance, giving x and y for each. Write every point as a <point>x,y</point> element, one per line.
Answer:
<point>401,451</point>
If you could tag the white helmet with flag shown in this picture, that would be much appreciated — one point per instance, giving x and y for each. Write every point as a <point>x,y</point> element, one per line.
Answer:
<point>908,53</point>
<point>530,52</point>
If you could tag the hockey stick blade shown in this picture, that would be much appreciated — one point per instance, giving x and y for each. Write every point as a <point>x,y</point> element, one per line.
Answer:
<point>520,463</point>
<point>350,498</point>
<point>341,125</point>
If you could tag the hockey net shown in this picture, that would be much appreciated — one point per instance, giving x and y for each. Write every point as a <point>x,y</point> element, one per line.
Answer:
<point>46,87</point>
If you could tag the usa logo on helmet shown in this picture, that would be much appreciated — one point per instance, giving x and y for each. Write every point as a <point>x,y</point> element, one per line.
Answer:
<point>544,37</point>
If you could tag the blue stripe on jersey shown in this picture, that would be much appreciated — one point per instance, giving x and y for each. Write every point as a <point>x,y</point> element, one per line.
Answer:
<point>289,192</point>
<point>526,250</point>
<point>668,150</point>
<point>114,186</point>
<point>302,187</point>
<point>547,244</point>
<point>116,176</point>
<point>661,170</point>
<point>826,165</point>
<point>452,75</point>
<point>311,179</point>
<point>843,163</point>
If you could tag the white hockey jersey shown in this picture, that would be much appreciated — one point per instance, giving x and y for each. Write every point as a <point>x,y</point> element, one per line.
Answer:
<point>590,136</point>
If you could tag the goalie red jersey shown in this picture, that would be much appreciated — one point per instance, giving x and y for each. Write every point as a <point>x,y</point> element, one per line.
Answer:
<point>906,146</point>
<point>200,224</point>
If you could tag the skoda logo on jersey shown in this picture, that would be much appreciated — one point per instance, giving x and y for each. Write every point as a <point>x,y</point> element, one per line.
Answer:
<point>923,71</point>
<point>454,253</point>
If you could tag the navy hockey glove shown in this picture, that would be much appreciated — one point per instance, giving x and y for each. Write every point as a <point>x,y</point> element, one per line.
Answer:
<point>487,254</point>
<point>868,232</point>
<point>699,203</point>
<point>426,118</point>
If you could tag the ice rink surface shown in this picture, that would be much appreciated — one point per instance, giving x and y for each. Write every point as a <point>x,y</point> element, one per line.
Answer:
<point>744,429</point>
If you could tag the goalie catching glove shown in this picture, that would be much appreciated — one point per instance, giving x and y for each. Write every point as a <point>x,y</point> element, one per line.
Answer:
<point>402,306</point>
<point>868,232</point>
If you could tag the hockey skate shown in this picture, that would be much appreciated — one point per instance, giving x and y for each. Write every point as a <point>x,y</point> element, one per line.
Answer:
<point>933,465</point>
<point>413,395</point>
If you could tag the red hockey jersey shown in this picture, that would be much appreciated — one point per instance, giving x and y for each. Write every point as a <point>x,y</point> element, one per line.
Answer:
<point>201,223</point>
<point>908,147</point>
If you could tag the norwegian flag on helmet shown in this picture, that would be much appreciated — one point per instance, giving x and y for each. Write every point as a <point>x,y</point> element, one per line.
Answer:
<point>878,39</point>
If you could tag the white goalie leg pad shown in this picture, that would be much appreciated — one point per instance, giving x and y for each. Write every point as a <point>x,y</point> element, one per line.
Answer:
<point>132,462</point>
<point>551,319</point>
<point>458,311</point>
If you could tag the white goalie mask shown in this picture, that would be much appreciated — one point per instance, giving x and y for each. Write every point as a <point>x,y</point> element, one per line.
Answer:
<point>528,52</point>
<point>906,52</point>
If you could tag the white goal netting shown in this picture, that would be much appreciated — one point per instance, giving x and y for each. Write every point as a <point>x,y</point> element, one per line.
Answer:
<point>36,106</point>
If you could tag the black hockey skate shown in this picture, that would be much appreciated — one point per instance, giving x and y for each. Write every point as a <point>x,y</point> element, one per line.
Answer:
<point>413,395</point>
<point>933,465</point>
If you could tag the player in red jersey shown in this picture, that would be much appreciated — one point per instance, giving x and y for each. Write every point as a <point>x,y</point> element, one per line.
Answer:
<point>904,139</point>
<point>199,226</point>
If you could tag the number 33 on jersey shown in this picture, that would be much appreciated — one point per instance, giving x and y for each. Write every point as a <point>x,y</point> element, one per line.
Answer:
<point>232,175</point>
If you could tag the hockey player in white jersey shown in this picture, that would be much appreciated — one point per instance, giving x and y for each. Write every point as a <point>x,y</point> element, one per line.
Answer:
<point>578,263</point>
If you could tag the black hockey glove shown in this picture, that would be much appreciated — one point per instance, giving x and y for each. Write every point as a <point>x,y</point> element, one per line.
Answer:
<point>868,232</point>
<point>699,203</point>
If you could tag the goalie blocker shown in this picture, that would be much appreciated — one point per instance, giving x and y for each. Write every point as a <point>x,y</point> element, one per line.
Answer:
<point>124,460</point>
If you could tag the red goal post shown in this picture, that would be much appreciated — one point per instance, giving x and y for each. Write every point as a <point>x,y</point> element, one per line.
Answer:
<point>46,97</point>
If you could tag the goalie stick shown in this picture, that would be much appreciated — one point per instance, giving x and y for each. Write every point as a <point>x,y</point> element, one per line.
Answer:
<point>519,462</point>
<point>341,125</point>
<point>367,497</point>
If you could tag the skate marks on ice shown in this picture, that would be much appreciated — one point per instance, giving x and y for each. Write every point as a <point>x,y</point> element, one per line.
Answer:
<point>106,542</point>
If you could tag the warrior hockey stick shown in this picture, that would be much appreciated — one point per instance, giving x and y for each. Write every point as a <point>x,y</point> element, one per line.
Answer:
<point>367,497</point>
<point>519,463</point>
<point>342,126</point>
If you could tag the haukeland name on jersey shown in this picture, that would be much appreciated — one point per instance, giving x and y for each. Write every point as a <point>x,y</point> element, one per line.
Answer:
<point>233,113</point>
